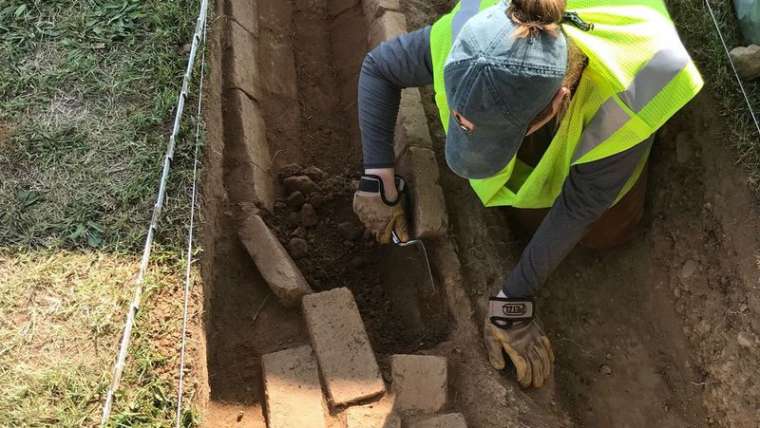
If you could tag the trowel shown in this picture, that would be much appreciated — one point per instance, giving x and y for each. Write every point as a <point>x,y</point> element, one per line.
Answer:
<point>413,255</point>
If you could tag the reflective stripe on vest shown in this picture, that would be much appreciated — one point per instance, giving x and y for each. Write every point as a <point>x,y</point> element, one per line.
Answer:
<point>648,82</point>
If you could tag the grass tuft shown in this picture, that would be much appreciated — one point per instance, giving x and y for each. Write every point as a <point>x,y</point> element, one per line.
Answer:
<point>87,92</point>
<point>698,32</point>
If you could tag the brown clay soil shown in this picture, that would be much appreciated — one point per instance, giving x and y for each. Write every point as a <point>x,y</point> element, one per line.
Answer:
<point>659,332</point>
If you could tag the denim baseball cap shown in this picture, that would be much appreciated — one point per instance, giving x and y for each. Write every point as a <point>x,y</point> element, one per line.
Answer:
<point>500,83</point>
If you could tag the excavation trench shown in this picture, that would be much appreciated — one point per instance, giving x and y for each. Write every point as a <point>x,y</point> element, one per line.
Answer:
<point>630,350</point>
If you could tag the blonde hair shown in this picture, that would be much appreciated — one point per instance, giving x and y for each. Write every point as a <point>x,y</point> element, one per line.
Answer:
<point>535,16</point>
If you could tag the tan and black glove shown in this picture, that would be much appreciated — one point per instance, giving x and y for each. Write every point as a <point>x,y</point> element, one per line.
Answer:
<point>510,327</point>
<point>380,216</point>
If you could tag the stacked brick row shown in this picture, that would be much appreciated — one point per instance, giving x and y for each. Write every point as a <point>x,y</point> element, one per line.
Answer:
<point>413,146</point>
<point>340,361</point>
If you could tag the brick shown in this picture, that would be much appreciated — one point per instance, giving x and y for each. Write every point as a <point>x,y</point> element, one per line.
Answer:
<point>246,133</point>
<point>245,13</point>
<point>389,25</point>
<point>419,382</point>
<point>274,263</point>
<point>240,61</point>
<point>345,355</point>
<point>336,7</point>
<point>411,126</point>
<point>420,168</point>
<point>293,393</point>
<point>374,9</point>
<point>450,420</point>
<point>376,415</point>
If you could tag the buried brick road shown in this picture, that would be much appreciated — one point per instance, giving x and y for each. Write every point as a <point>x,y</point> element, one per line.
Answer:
<point>286,79</point>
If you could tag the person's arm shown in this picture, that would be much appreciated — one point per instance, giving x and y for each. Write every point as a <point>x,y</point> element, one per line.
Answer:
<point>399,63</point>
<point>589,190</point>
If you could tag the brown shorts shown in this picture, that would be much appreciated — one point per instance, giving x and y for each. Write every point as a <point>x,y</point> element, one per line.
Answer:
<point>615,227</point>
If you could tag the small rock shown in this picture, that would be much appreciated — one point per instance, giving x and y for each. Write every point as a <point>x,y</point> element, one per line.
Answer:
<point>349,231</point>
<point>608,356</point>
<point>301,183</point>
<point>296,200</point>
<point>688,269</point>
<point>747,61</point>
<point>315,173</point>
<point>743,307</point>
<point>298,248</point>
<point>299,232</point>
<point>684,151</point>
<point>605,370</point>
<point>309,215</point>
<point>290,170</point>
<point>316,200</point>
<point>744,339</point>
<point>676,292</point>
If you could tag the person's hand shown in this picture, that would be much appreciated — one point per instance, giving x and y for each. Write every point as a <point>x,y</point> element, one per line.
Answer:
<point>380,215</point>
<point>510,327</point>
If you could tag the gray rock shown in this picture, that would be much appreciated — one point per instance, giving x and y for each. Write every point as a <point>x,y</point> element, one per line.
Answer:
<point>298,248</point>
<point>747,61</point>
<point>301,183</point>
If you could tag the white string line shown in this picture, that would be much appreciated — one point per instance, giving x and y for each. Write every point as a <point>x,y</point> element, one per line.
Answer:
<point>733,67</point>
<point>135,304</point>
<point>189,258</point>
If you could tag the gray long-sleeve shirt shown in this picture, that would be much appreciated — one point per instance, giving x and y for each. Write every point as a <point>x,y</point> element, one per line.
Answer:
<point>588,191</point>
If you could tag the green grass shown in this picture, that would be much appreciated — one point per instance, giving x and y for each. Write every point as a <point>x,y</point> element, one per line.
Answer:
<point>699,34</point>
<point>87,92</point>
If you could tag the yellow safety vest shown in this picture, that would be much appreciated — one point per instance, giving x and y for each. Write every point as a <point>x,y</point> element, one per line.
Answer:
<point>639,75</point>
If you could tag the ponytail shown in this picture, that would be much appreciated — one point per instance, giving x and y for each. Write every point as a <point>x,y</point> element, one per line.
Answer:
<point>535,16</point>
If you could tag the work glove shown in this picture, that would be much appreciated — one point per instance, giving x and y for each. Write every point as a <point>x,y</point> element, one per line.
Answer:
<point>510,327</point>
<point>380,216</point>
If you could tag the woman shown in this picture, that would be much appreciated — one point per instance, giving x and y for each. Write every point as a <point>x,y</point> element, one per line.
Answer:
<point>548,111</point>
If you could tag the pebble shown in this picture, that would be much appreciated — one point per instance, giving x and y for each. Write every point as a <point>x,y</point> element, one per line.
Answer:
<point>290,170</point>
<point>296,200</point>
<point>301,183</point>
<point>299,232</point>
<point>309,215</point>
<point>688,269</point>
<point>298,248</point>
<point>744,340</point>
<point>315,173</point>
<point>349,231</point>
<point>605,370</point>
